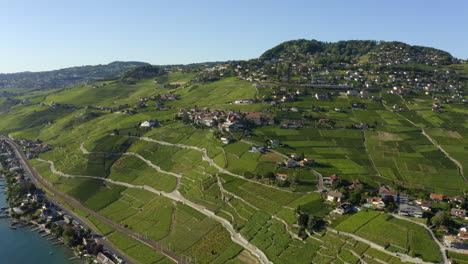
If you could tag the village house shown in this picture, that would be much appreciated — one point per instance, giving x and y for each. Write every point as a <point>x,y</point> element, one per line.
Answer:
<point>295,156</point>
<point>376,202</point>
<point>244,101</point>
<point>287,98</point>
<point>361,125</point>
<point>457,199</point>
<point>291,163</point>
<point>454,242</point>
<point>256,149</point>
<point>436,107</point>
<point>255,118</point>
<point>436,197</point>
<point>443,229</point>
<point>274,142</point>
<point>17,210</point>
<point>231,126</point>
<point>365,94</point>
<point>307,161</point>
<point>425,205</point>
<point>463,235</point>
<point>332,179</point>
<point>458,212</point>
<point>343,209</point>
<point>355,184</point>
<point>103,259</point>
<point>169,97</point>
<point>338,109</point>
<point>321,97</point>
<point>410,210</point>
<point>148,123</point>
<point>386,193</point>
<point>281,176</point>
<point>352,93</point>
<point>324,121</point>
<point>68,219</point>
<point>293,125</point>
<point>334,196</point>
<point>403,198</point>
<point>226,139</point>
<point>398,91</point>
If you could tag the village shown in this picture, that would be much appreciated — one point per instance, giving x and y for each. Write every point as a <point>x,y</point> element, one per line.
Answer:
<point>445,215</point>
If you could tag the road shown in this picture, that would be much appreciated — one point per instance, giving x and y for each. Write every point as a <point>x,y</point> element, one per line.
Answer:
<point>403,257</point>
<point>459,165</point>
<point>177,196</point>
<point>38,180</point>
<point>205,157</point>
<point>442,248</point>
<point>174,195</point>
<point>423,132</point>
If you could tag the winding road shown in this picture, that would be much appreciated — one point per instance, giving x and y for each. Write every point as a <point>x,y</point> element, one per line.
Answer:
<point>423,132</point>
<point>442,248</point>
<point>174,195</point>
<point>403,257</point>
<point>38,180</point>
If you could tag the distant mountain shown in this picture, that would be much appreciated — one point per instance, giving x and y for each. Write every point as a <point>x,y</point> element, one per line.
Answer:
<point>66,77</point>
<point>374,52</point>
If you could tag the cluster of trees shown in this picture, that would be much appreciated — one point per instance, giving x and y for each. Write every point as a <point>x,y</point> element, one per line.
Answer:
<point>337,49</point>
<point>142,72</point>
<point>308,223</point>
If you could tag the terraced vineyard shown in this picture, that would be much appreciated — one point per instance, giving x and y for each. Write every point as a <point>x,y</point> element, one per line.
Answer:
<point>179,186</point>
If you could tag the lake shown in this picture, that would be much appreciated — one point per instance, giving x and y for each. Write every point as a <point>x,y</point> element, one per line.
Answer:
<point>21,246</point>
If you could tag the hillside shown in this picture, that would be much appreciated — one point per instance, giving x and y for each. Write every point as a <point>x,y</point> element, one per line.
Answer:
<point>379,52</point>
<point>251,161</point>
<point>66,77</point>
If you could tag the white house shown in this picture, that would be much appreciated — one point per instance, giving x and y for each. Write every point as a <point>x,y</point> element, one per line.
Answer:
<point>148,123</point>
<point>333,196</point>
<point>352,93</point>
<point>244,101</point>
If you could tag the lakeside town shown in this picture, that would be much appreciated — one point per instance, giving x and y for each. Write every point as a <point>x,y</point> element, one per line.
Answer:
<point>31,208</point>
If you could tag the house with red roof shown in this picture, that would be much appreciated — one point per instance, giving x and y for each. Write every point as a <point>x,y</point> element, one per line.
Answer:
<point>281,176</point>
<point>437,197</point>
<point>458,212</point>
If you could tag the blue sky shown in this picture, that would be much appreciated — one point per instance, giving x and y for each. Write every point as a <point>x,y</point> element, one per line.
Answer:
<point>53,34</point>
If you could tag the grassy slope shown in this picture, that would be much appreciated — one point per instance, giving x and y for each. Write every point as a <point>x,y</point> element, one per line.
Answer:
<point>337,151</point>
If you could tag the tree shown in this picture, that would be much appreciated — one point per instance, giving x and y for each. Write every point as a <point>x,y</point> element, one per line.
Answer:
<point>269,175</point>
<point>314,223</point>
<point>303,220</point>
<point>69,236</point>
<point>440,218</point>
<point>96,248</point>
<point>185,118</point>
<point>355,197</point>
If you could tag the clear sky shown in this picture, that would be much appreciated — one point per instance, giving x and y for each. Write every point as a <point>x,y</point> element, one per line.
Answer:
<point>52,34</point>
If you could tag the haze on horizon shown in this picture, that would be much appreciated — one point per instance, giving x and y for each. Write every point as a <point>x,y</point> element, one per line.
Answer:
<point>53,34</point>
